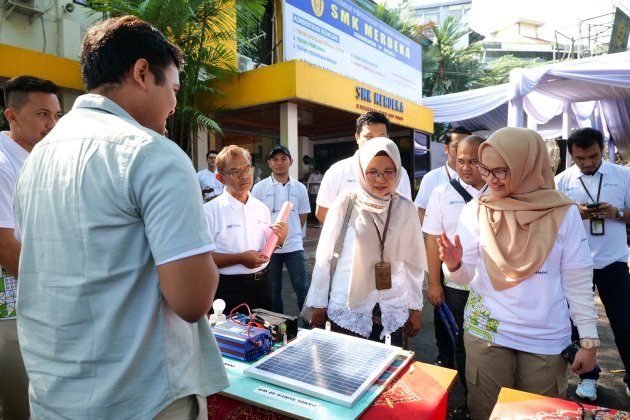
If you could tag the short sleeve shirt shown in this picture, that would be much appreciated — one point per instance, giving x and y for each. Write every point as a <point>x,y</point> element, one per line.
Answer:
<point>274,194</point>
<point>238,227</point>
<point>442,214</point>
<point>207,179</point>
<point>12,157</point>
<point>99,201</point>
<point>343,176</point>
<point>432,179</point>
<point>612,245</point>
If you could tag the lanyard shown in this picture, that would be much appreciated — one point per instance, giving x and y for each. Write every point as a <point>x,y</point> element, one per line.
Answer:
<point>382,240</point>
<point>599,188</point>
<point>447,172</point>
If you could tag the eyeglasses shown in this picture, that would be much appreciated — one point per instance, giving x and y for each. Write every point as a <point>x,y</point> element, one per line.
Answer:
<point>498,173</point>
<point>237,173</point>
<point>387,175</point>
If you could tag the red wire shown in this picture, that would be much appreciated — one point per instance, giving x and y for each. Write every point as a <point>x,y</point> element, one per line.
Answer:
<point>249,326</point>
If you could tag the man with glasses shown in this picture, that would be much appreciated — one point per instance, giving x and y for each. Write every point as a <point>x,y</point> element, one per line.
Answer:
<point>210,187</point>
<point>274,191</point>
<point>602,192</point>
<point>445,205</point>
<point>32,110</point>
<point>239,224</point>
<point>430,181</point>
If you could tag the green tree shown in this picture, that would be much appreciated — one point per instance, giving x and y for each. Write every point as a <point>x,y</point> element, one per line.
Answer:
<point>206,32</point>
<point>446,67</point>
<point>498,71</point>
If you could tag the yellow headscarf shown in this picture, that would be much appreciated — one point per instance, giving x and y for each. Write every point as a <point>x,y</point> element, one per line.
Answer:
<point>517,232</point>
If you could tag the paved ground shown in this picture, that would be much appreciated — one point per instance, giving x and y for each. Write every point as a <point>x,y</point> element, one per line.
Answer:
<point>611,392</point>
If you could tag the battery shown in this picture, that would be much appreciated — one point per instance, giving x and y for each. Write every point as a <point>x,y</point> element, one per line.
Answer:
<point>235,342</point>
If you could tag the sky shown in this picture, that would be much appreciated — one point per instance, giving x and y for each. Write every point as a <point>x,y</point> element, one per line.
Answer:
<point>563,15</point>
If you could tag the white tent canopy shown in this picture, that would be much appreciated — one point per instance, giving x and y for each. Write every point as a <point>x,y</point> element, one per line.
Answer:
<point>572,91</point>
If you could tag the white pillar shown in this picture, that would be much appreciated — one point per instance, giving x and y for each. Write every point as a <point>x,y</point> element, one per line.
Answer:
<point>566,128</point>
<point>515,112</point>
<point>289,133</point>
<point>531,123</point>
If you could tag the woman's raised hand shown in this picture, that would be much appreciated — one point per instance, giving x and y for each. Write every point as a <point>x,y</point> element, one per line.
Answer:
<point>450,252</point>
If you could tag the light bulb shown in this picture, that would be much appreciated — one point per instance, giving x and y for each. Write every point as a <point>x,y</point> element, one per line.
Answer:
<point>218,306</point>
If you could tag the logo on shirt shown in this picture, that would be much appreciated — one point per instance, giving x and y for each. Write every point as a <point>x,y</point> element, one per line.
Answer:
<point>542,272</point>
<point>235,225</point>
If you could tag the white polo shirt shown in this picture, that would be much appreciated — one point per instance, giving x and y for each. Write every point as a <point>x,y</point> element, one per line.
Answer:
<point>208,179</point>
<point>343,176</point>
<point>274,194</point>
<point>12,157</point>
<point>442,215</point>
<point>237,227</point>
<point>612,246</point>
<point>432,179</point>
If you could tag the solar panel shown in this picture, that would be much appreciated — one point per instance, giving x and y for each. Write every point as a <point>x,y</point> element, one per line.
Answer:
<point>331,366</point>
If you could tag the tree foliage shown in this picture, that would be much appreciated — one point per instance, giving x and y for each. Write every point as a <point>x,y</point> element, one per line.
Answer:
<point>205,31</point>
<point>498,71</point>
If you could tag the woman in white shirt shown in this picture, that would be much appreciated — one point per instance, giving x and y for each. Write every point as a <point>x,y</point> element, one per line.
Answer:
<point>355,301</point>
<point>523,251</point>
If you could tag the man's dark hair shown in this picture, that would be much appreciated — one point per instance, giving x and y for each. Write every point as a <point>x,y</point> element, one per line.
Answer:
<point>372,117</point>
<point>111,48</point>
<point>211,152</point>
<point>17,89</point>
<point>455,130</point>
<point>585,138</point>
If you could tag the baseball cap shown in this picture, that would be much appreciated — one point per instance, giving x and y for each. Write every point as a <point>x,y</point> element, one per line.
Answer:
<point>278,148</point>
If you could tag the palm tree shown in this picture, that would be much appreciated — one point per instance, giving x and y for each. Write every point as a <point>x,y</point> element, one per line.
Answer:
<point>206,32</point>
<point>448,68</point>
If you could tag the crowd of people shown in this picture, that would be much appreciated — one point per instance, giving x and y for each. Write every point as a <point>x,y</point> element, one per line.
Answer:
<point>118,264</point>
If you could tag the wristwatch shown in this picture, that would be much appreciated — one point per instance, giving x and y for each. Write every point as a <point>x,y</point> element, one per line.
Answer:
<point>589,343</point>
<point>619,215</point>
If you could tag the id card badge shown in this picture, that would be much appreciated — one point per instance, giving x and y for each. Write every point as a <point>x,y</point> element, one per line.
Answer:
<point>597,226</point>
<point>383,271</point>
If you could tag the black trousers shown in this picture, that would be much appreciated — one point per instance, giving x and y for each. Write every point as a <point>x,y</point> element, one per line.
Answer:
<point>234,291</point>
<point>613,285</point>
<point>452,356</point>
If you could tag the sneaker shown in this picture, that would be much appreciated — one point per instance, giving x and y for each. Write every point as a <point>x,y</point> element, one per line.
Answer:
<point>587,389</point>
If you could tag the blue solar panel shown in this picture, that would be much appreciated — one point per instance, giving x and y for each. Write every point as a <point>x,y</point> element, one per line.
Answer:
<point>331,366</point>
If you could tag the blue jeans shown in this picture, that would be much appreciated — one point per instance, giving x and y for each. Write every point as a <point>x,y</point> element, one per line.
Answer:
<point>613,285</point>
<point>296,266</point>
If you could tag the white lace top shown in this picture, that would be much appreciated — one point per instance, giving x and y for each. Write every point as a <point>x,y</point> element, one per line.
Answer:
<point>395,303</point>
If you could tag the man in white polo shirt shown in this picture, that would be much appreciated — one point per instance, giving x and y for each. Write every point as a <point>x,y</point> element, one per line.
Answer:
<point>210,187</point>
<point>239,224</point>
<point>32,110</point>
<point>602,192</point>
<point>274,191</point>
<point>343,175</point>
<point>445,205</point>
<point>442,174</point>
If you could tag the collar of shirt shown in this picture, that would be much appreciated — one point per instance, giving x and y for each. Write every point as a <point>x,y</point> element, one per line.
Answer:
<point>92,100</point>
<point>604,169</point>
<point>12,147</point>
<point>233,202</point>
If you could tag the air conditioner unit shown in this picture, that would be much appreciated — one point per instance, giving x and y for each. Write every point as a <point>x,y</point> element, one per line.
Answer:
<point>25,7</point>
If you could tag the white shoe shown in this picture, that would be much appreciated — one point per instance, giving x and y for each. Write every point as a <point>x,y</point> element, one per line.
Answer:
<point>587,389</point>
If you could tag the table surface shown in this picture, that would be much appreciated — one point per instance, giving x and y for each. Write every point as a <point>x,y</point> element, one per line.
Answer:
<point>291,403</point>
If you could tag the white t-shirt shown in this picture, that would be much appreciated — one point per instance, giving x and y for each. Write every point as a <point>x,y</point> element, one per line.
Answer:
<point>532,316</point>
<point>343,176</point>
<point>274,194</point>
<point>432,179</point>
<point>442,214</point>
<point>612,245</point>
<point>237,227</point>
<point>12,157</point>
<point>314,180</point>
<point>208,179</point>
